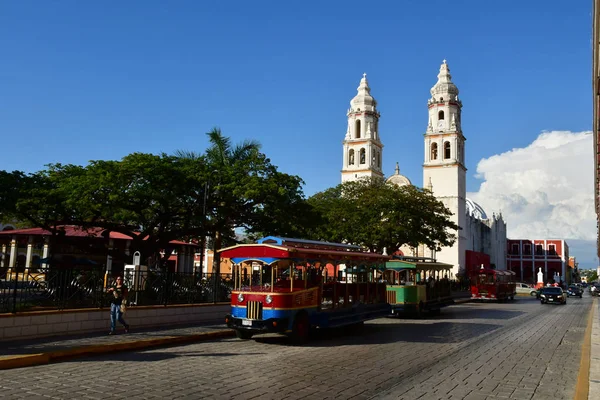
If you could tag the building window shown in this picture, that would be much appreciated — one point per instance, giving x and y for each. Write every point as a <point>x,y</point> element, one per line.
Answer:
<point>357,129</point>
<point>441,115</point>
<point>434,151</point>
<point>539,250</point>
<point>552,249</point>
<point>351,157</point>
<point>362,156</point>
<point>527,249</point>
<point>446,150</point>
<point>515,249</point>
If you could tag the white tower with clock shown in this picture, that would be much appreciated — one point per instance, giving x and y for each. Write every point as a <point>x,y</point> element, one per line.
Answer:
<point>363,149</point>
<point>444,169</point>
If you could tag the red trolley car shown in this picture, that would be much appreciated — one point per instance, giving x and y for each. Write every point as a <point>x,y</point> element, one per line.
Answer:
<point>491,284</point>
<point>291,286</point>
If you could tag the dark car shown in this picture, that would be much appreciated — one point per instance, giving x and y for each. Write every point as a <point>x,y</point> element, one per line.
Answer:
<point>553,295</point>
<point>575,291</point>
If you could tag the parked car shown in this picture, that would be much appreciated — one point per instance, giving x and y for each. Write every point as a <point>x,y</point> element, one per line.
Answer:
<point>553,295</point>
<point>524,288</point>
<point>575,291</point>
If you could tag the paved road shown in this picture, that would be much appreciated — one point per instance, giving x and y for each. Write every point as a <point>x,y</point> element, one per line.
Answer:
<point>517,350</point>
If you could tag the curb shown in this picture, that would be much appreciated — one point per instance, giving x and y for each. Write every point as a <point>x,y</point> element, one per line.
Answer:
<point>460,301</point>
<point>582,385</point>
<point>28,360</point>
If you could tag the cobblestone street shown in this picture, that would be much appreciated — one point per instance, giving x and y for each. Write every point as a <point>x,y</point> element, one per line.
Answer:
<point>520,350</point>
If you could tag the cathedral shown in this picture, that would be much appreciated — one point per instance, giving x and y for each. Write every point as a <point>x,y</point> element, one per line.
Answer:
<point>481,239</point>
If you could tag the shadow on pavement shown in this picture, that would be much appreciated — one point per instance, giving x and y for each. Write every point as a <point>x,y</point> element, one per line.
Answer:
<point>373,333</point>
<point>466,312</point>
<point>55,343</point>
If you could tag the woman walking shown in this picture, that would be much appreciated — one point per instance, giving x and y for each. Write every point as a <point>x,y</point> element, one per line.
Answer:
<point>117,305</point>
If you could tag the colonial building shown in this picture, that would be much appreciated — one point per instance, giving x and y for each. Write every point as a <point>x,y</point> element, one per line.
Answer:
<point>527,256</point>
<point>23,250</point>
<point>481,239</point>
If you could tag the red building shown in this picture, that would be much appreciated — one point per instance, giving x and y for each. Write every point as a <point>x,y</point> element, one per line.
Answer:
<point>526,256</point>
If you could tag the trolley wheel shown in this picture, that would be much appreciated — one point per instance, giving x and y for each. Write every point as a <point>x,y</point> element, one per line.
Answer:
<point>301,329</point>
<point>243,334</point>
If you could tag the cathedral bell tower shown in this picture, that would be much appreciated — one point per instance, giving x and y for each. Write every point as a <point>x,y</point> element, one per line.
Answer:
<point>362,146</point>
<point>444,169</point>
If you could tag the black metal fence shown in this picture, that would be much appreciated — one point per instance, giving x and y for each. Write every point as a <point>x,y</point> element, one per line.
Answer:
<point>65,288</point>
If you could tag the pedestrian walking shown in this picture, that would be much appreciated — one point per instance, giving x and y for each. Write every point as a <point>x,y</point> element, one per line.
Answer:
<point>117,305</point>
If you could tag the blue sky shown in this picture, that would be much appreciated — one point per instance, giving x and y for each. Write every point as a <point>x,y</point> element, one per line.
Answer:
<point>99,80</point>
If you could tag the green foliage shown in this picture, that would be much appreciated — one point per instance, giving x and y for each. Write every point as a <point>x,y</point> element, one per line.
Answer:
<point>187,196</point>
<point>159,198</point>
<point>378,215</point>
<point>590,274</point>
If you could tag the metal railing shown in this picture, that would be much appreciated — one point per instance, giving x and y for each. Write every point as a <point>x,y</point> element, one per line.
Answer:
<point>67,288</point>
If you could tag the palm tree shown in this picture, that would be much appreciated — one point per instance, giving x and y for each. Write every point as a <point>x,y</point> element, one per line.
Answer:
<point>222,155</point>
<point>220,158</point>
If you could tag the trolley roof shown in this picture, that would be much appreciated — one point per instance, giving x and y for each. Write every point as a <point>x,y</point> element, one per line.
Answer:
<point>272,249</point>
<point>398,265</point>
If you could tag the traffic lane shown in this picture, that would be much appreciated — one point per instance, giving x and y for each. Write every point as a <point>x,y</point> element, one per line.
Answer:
<point>386,357</point>
<point>537,358</point>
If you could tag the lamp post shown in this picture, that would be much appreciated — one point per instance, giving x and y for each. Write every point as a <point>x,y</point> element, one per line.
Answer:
<point>203,239</point>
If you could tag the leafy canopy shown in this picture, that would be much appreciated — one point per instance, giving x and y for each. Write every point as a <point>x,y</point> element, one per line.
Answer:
<point>380,215</point>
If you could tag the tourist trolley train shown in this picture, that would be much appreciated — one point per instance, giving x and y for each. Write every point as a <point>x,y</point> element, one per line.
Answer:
<point>491,284</point>
<point>291,286</point>
<point>417,284</point>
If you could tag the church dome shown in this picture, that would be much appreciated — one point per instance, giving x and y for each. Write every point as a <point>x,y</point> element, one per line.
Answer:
<point>475,210</point>
<point>397,179</point>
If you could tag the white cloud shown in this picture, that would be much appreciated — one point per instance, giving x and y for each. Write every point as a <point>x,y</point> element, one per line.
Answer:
<point>544,190</point>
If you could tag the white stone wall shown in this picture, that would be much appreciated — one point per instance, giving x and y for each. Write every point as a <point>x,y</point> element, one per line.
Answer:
<point>49,323</point>
<point>489,237</point>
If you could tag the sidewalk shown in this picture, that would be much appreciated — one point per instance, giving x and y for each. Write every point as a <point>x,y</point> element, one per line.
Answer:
<point>25,353</point>
<point>15,354</point>
<point>594,379</point>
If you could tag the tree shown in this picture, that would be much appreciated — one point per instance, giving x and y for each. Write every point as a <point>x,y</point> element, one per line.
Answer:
<point>247,191</point>
<point>159,198</point>
<point>377,215</point>
<point>152,198</point>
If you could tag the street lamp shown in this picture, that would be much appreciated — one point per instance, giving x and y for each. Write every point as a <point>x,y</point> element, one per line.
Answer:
<point>203,240</point>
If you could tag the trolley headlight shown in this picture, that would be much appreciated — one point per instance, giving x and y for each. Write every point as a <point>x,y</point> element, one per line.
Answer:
<point>269,299</point>
<point>543,295</point>
<point>240,298</point>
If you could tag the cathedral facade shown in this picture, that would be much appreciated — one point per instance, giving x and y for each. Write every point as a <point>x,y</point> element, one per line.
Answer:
<point>481,240</point>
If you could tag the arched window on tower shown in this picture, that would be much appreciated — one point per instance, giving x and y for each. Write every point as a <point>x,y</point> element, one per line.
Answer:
<point>434,151</point>
<point>351,157</point>
<point>441,115</point>
<point>446,150</point>
<point>362,156</point>
<point>379,159</point>
<point>357,129</point>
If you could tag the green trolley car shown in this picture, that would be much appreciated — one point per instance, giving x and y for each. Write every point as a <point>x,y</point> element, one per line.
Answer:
<point>417,284</point>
